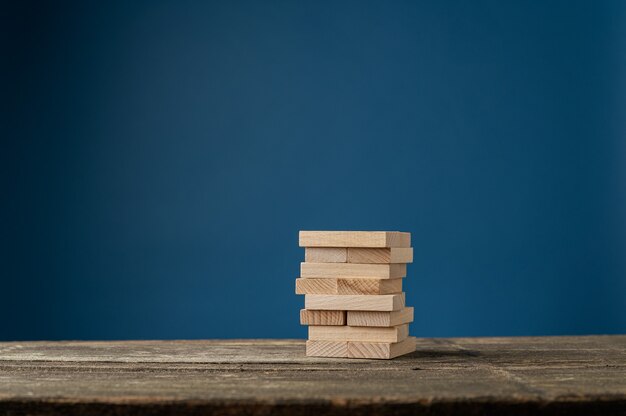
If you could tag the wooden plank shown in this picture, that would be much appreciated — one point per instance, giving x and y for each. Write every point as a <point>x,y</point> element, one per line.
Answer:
<point>335,349</point>
<point>316,286</point>
<point>358,255</point>
<point>356,349</point>
<point>313,286</point>
<point>326,254</point>
<point>355,302</point>
<point>354,239</point>
<point>368,286</point>
<point>336,270</point>
<point>317,317</point>
<point>367,318</point>
<point>581,375</point>
<point>510,352</point>
<point>381,350</point>
<point>358,333</point>
<point>379,255</point>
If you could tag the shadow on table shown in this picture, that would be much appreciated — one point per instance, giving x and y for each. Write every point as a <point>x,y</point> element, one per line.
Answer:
<point>432,353</point>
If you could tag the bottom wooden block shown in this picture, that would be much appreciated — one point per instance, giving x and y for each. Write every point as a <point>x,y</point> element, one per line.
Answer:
<point>352,349</point>
<point>327,349</point>
<point>381,350</point>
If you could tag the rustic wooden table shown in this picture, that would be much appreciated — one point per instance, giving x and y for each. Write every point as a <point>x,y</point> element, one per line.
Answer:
<point>545,375</point>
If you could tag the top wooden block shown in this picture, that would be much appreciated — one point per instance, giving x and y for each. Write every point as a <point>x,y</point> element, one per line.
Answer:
<point>373,239</point>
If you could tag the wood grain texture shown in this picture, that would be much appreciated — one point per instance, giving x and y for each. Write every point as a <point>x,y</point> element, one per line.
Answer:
<point>369,286</point>
<point>313,286</point>
<point>381,350</point>
<point>345,270</point>
<point>583,375</point>
<point>309,317</point>
<point>334,349</point>
<point>369,350</point>
<point>355,302</point>
<point>355,333</point>
<point>358,255</point>
<point>367,318</point>
<point>373,239</point>
<point>379,255</point>
<point>326,254</point>
<point>316,287</point>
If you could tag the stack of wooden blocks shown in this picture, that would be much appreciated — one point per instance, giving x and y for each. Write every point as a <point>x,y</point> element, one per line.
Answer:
<point>354,304</point>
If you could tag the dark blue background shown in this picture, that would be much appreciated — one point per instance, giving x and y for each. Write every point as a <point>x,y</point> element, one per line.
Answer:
<point>160,158</point>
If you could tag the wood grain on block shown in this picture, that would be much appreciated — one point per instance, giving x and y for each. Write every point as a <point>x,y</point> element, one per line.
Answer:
<point>380,255</point>
<point>357,349</point>
<point>338,349</point>
<point>313,286</point>
<point>355,302</point>
<point>381,350</point>
<point>308,286</point>
<point>317,317</point>
<point>354,239</point>
<point>358,333</point>
<point>336,270</point>
<point>326,254</point>
<point>368,286</point>
<point>368,318</point>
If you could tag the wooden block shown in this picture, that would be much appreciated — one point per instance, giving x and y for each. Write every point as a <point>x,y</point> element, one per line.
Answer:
<point>358,255</point>
<point>366,318</point>
<point>326,254</point>
<point>355,302</point>
<point>312,286</point>
<point>379,350</point>
<point>354,239</point>
<point>369,350</point>
<point>317,317</point>
<point>327,349</point>
<point>368,286</point>
<point>379,255</point>
<point>316,287</point>
<point>358,333</point>
<point>335,270</point>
